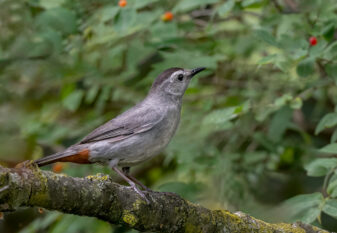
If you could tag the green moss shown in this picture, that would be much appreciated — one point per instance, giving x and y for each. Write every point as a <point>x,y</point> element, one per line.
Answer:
<point>288,227</point>
<point>137,204</point>
<point>129,218</point>
<point>192,228</point>
<point>99,177</point>
<point>40,198</point>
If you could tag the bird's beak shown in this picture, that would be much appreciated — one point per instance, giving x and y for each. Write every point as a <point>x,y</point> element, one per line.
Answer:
<point>196,70</point>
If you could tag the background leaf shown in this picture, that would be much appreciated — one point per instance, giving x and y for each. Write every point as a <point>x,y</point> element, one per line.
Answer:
<point>321,167</point>
<point>306,67</point>
<point>330,208</point>
<point>330,149</point>
<point>327,121</point>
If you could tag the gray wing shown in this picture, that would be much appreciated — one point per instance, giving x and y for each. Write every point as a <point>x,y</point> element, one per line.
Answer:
<point>134,121</point>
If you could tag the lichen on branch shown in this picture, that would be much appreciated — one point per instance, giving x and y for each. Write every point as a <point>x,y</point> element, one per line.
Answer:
<point>97,196</point>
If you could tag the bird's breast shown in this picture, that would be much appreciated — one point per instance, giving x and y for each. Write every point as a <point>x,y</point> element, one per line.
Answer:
<point>154,141</point>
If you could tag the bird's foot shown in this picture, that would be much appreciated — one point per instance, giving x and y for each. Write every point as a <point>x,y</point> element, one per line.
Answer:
<point>137,190</point>
<point>145,188</point>
<point>139,183</point>
<point>132,182</point>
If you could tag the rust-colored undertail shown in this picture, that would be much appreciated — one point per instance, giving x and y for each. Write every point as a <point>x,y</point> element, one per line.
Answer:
<point>79,157</point>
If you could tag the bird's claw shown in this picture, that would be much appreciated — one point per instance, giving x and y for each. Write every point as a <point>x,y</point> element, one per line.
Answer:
<point>145,188</point>
<point>140,193</point>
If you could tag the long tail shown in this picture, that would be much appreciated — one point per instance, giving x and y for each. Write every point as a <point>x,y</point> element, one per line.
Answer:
<point>65,156</point>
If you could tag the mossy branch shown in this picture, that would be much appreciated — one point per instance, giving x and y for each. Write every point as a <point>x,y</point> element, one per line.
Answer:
<point>99,197</point>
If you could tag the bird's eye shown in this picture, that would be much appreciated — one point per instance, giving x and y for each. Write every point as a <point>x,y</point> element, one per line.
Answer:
<point>180,77</point>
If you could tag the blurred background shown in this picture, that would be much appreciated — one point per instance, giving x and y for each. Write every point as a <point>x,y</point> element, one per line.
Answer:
<point>257,131</point>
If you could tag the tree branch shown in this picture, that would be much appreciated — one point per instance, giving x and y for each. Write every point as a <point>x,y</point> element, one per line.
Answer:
<point>98,196</point>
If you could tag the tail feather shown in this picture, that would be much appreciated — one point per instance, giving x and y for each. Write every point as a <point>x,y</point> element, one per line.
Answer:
<point>70,155</point>
<point>51,158</point>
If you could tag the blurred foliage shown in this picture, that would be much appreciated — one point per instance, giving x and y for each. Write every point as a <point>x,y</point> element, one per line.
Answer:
<point>257,128</point>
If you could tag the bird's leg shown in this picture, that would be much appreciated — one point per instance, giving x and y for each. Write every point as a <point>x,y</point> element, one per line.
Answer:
<point>126,171</point>
<point>131,183</point>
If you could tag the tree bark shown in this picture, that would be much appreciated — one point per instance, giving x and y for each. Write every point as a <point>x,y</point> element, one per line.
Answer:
<point>99,197</point>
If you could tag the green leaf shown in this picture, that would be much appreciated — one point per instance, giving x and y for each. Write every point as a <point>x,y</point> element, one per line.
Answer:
<point>107,13</point>
<point>283,100</point>
<point>317,50</point>
<point>91,94</point>
<point>73,101</point>
<point>220,116</point>
<point>330,52</point>
<point>320,167</point>
<point>267,59</point>
<point>304,207</point>
<point>329,149</point>
<point>226,7</point>
<point>186,5</point>
<point>51,3</point>
<point>184,57</point>
<point>328,121</point>
<point>296,103</point>
<point>306,67</point>
<point>331,70</point>
<point>252,3</point>
<point>49,219</point>
<point>125,21</point>
<point>140,4</point>
<point>310,215</point>
<point>252,158</point>
<point>334,136</point>
<point>279,123</point>
<point>330,207</point>
<point>304,201</point>
<point>332,188</point>
<point>265,36</point>
<point>41,223</point>
<point>288,156</point>
<point>59,19</point>
<point>328,31</point>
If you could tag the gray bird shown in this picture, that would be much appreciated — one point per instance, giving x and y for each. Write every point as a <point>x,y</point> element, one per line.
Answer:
<point>136,135</point>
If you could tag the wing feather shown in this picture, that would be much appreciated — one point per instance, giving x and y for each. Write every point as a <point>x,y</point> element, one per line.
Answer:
<point>129,123</point>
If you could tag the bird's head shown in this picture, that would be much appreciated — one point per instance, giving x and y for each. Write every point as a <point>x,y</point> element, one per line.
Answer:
<point>174,81</point>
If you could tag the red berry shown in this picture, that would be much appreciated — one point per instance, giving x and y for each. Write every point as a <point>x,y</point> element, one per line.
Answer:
<point>168,16</point>
<point>313,41</point>
<point>122,3</point>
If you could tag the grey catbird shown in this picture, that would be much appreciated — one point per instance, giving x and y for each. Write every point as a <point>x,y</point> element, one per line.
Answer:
<point>137,134</point>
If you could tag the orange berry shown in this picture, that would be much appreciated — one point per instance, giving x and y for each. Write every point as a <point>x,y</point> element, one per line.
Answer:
<point>122,3</point>
<point>57,167</point>
<point>168,16</point>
